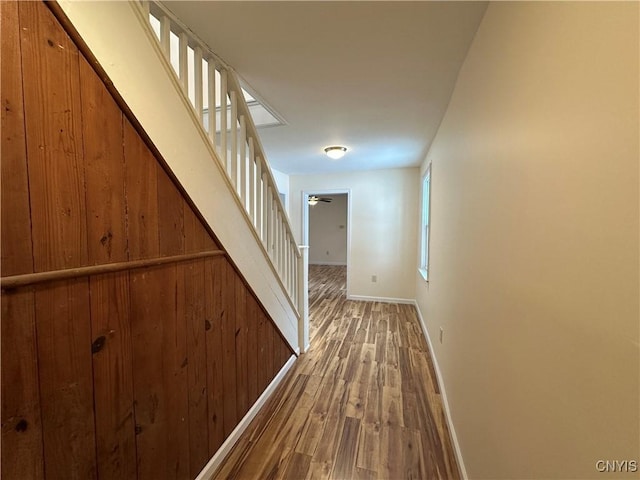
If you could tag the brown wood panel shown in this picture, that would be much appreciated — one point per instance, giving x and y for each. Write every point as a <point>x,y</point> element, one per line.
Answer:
<point>102,133</point>
<point>286,351</point>
<point>15,216</point>
<point>54,140</point>
<point>253,321</point>
<point>66,383</point>
<point>112,375</point>
<point>196,236</point>
<point>199,299</point>
<point>160,380</point>
<point>192,276</point>
<point>170,216</point>
<point>214,281</point>
<point>242,354</point>
<point>141,194</point>
<point>22,455</point>
<point>228,325</point>
<point>142,373</point>
<point>263,372</point>
<point>271,361</point>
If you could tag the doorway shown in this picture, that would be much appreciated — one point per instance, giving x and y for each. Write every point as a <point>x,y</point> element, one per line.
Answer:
<point>326,229</point>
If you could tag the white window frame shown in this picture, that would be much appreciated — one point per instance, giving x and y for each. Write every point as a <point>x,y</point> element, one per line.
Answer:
<point>425,221</point>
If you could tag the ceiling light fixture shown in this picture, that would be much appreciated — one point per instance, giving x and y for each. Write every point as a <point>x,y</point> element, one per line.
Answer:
<point>335,152</point>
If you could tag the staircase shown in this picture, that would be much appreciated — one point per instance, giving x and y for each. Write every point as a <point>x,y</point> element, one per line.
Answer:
<point>152,292</point>
<point>202,127</point>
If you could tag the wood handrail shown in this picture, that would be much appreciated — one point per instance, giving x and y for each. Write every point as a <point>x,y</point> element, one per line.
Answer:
<point>26,279</point>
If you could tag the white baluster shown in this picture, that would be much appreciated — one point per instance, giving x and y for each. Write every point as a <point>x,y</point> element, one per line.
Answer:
<point>303,298</point>
<point>280,241</point>
<point>277,236</point>
<point>212,102</point>
<point>165,36</point>
<point>253,187</point>
<point>294,277</point>
<point>242,170</point>
<point>197,73</point>
<point>294,283</point>
<point>270,240</point>
<point>183,62</point>
<point>287,249</point>
<point>223,117</point>
<point>232,161</point>
<point>260,199</point>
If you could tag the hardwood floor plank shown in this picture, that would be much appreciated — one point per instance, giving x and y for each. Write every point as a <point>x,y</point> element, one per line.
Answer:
<point>367,457</point>
<point>391,452</point>
<point>363,402</point>
<point>362,474</point>
<point>298,466</point>
<point>357,400</point>
<point>346,455</point>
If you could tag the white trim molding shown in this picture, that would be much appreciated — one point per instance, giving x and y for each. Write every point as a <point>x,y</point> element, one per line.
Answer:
<point>365,298</point>
<point>443,394</point>
<point>214,463</point>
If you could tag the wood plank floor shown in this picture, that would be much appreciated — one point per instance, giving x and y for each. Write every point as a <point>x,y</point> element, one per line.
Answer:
<point>363,403</point>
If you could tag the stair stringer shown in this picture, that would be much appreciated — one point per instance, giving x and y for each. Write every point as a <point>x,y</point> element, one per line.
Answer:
<point>122,44</point>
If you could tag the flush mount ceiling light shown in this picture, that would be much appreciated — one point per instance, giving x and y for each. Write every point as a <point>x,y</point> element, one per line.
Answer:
<point>335,152</point>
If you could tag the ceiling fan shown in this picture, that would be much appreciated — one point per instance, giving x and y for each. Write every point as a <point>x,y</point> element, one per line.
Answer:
<point>314,199</point>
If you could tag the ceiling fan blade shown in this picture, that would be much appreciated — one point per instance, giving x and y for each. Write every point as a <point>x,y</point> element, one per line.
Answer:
<point>326,200</point>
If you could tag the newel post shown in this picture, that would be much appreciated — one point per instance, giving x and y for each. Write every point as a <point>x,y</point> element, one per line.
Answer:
<point>303,298</point>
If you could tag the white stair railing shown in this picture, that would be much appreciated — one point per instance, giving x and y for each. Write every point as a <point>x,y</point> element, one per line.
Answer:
<point>218,100</point>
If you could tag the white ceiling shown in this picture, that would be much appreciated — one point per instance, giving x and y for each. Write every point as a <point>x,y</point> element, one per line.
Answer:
<point>373,76</point>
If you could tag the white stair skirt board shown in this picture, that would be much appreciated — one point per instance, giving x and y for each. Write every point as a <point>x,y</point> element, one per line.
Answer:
<point>443,393</point>
<point>365,298</point>
<point>217,459</point>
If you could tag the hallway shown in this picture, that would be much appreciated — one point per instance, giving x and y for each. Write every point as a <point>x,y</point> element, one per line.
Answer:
<point>362,403</point>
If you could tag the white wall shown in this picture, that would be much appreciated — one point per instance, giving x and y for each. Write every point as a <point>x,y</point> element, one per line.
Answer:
<point>143,80</point>
<point>384,205</point>
<point>534,246</point>
<point>328,231</point>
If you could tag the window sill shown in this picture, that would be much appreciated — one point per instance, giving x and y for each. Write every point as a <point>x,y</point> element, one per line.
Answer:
<point>424,274</point>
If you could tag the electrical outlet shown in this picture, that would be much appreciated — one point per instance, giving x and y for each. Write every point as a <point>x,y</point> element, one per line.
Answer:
<point>374,278</point>
<point>441,333</point>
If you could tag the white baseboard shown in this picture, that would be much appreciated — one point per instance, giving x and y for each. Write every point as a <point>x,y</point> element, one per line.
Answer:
<point>443,395</point>
<point>217,459</point>
<point>365,298</point>
<point>341,264</point>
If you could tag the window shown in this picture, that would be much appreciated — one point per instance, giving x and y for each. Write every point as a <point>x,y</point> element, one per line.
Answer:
<point>426,214</point>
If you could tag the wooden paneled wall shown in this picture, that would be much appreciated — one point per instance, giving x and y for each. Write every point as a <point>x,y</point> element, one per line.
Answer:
<point>140,373</point>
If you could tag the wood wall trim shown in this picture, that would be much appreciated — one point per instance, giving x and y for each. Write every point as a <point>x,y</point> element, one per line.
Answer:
<point>16,281</point>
